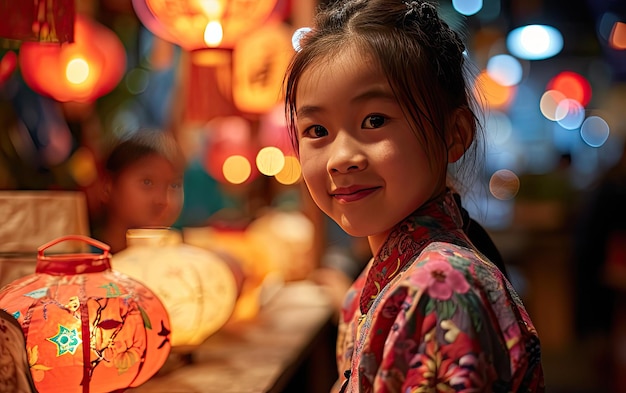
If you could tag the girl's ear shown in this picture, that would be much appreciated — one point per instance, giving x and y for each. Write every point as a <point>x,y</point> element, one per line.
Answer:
<point>460,133</point>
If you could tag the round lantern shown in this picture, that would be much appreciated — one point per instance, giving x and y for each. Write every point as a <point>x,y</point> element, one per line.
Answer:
<point>88,328</point>
<point>83,70</point>
<point>197,286</point>
<point>287,236</point>
<point>208,23</point>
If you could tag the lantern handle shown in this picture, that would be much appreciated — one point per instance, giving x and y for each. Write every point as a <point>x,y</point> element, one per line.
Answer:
<point>92,242</point>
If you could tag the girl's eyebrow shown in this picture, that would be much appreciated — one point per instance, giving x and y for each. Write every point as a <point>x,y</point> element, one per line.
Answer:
<point>373,93</point>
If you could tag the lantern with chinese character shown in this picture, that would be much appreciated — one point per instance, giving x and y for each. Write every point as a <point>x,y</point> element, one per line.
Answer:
<point>259,63</point>
<point>197,286</point>
<point>88,328</point>
<point>83,70</point>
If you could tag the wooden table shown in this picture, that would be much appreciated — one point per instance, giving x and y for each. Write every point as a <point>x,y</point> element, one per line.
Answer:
<point>288,347</point>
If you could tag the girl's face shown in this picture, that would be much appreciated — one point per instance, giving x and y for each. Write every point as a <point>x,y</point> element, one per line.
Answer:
<point>361,161</point>
<point>147,193</point>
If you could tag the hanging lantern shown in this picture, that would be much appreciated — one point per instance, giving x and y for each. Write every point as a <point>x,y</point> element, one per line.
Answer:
<point>84,70</point>
<point>259,64</point>
<point>197,286</point>
<point>37,20</point>
<point>202,24</point>
<point>88,328</point>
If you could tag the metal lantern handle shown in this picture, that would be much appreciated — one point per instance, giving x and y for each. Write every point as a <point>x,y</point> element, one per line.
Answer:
<point>92,242</point>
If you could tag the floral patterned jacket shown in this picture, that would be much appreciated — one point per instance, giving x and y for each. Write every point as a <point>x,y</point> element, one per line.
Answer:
<point>431,314</point>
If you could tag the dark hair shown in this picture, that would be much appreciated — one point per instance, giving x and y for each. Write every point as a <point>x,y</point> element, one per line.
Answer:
<point>142,143</point>
<point>421,56</point>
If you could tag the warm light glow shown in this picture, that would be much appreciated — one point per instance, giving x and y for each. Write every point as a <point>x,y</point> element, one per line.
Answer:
<point>504,184</point>
<point>83,167</point>
<point>618,36</point>
<point>236,169</point>
<point>291,171</point>
<point>211,8</point>
<point>572,85</point>
<point>77,71</point>
<point>213,34</point>
<point>198,24</point>
<point>82,70</point>
<point>550,100</point>
<point>496,95</point>
<point>270,160</point>
<point>197,287</point>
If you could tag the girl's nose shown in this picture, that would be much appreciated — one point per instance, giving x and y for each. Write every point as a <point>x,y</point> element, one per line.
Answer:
<point>346,155</point>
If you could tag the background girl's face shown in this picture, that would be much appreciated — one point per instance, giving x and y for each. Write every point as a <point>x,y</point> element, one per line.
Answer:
<point>149,192</point>
<point>361,160</point>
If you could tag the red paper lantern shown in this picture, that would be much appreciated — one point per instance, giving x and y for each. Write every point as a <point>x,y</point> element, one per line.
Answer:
<point>88,328</point>
<point>205,24</point>
<point>84,70</point>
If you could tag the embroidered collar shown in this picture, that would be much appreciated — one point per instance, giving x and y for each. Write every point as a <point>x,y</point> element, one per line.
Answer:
<point>438,220</point>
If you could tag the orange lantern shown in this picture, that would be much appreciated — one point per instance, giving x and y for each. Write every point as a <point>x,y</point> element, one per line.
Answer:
<point>38,20</point>
<point>88,328</point>
<point>259,64</point>
<point>197,286</point>
<point>84,70</point>
<point>202,24</point>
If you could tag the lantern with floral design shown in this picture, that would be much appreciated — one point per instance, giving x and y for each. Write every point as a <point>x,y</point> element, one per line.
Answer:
<point>88,328</point>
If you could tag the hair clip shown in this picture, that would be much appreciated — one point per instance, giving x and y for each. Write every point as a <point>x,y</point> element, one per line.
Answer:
<point>297,37</point>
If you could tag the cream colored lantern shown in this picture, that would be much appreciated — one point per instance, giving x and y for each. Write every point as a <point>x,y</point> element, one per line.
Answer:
<point>196,286</point>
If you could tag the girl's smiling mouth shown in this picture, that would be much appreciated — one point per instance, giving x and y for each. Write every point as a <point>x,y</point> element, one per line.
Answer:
<point>352,193</point>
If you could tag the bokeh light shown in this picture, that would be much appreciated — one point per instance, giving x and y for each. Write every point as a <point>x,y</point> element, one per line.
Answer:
<point>570,114</point>
<point>297,36</point>
<point>82,167</point>
<point>534,42</point>
<point>494,94</point>
<point>504,184</point>
<point>617,39</point>
<point>549,102</point>
<point>467,7</point>
<point>291,171</point>
<point>270,160</point>
<point>236,169</point>
<point>506,70</point>
<point>571,85</point>
<point>594,131</point>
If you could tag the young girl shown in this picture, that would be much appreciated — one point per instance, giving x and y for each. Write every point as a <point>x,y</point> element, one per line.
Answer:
<point>378,106</point>
<point>142,185</point>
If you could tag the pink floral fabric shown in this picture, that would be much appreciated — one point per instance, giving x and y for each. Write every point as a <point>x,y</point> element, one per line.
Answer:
<point>431,314</point>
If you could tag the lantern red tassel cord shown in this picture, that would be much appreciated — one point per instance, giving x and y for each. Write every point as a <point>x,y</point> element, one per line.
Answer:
<point>88,328</point>
<point>37,20</point>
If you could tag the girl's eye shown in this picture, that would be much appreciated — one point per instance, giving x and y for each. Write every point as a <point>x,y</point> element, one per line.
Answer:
<point>147,182</point>
<point>315,131</point>
<point>374,121</point>
<point>176,185</point>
